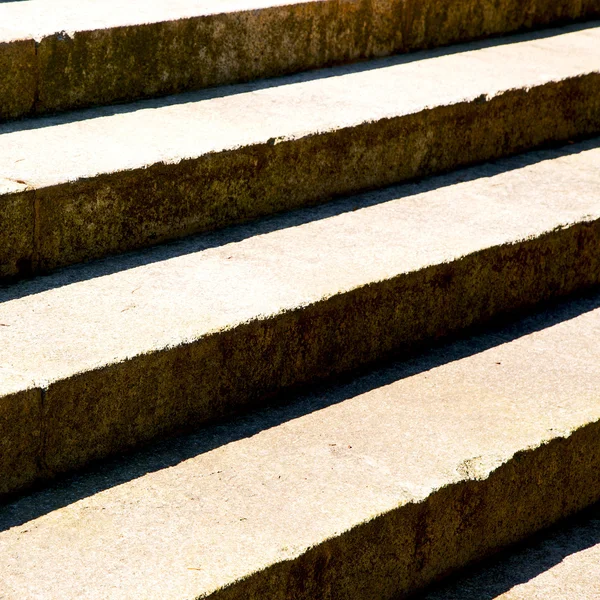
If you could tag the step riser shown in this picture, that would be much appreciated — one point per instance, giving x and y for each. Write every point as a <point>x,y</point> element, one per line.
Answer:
<point>398,553</point>
<point>21,426</point>
<point>560,562</point>
<point>380,485</point>
<point>74,222</point>
<point>85,68</point>
<point>18,86</point>
<point>98,413</point>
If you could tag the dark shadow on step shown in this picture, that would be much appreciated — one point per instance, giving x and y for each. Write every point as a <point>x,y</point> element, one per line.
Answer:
<point>263,84</point>
<point>523,562</point>
<point>296,218</point>
<point>290,405</point>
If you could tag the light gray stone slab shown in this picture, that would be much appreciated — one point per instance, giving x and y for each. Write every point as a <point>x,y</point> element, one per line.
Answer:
<point>113,310</point>
<point>57,150</point>
<point>368,489</point>
<point>111,180</point>
<point>86,52</point>
<point>20,429</point>
<point>134,347</point>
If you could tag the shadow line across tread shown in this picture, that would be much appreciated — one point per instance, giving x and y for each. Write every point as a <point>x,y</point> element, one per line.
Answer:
<point>105,181</point>
<point>124,350</point>
<point>557,564</point>
<point>370,489</point>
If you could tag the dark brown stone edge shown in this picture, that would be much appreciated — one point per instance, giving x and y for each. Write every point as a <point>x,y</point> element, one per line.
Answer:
<point>120,64</point>
<point>399,552</point>
<point>162,202</point>
<point>98,413</point>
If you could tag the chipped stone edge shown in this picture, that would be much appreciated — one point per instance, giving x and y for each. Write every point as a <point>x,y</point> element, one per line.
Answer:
<point>406,548</point>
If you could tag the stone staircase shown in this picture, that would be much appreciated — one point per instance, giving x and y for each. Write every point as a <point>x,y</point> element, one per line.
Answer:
<point>328,330</point>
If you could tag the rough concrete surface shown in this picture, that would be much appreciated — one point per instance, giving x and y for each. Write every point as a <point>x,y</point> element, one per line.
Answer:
<point>82,53</point>
<point>559,564</point>
<point>368,489</point>
<point>133,347</point>
<point>18,76</point>
<point>20,429</point>
<point>110,180</point>
<point>17,229</point>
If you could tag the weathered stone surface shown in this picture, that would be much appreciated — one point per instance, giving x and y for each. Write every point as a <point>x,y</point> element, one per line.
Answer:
<point>558,564</point>
<point>20,429</point>
<point>100,52</point>
<point>18,77</point>
<point>110,180</point>
<point>365,490</point>
<point>17,230</point>
<point>139,346</point>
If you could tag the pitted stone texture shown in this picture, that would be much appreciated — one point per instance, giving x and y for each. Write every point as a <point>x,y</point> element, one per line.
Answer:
<point>369,489</point>
<point>134,347</point>
<point>111,180</point>
<point>559,564</point>
<point>101,52</point>
<point>17,230</point>
<point>18,80</point>
<point>20,429</point>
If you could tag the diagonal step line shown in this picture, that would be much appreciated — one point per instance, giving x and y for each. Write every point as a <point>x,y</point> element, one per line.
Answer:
<point>182,169</point>
<point>564,557</point>
<point>517,480</point>
<point>288,406</point>
<point>240,322</point>
<point>75,405</point>
<point>287,80</point>
<point>288,220</point>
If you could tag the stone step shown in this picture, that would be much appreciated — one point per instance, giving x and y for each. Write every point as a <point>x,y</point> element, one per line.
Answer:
<point>368,489</point>
<point>97,358</point>
<point>558,564</point>
<point>109,180</point>
<point>64,54</point>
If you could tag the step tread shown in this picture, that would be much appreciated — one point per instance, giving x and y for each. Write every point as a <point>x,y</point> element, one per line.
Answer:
<point>48,152</point>
<point>41,18</point>
<point>559,564</point>
<point>103,313</point>
<point>205,511</point>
